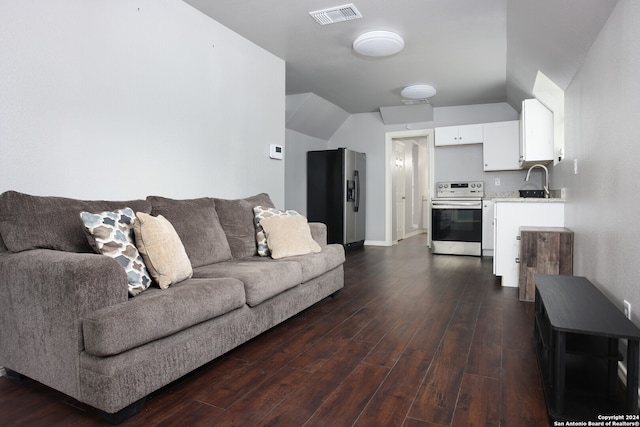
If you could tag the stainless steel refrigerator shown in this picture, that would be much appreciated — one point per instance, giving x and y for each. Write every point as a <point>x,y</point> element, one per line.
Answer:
<point>336,194</point>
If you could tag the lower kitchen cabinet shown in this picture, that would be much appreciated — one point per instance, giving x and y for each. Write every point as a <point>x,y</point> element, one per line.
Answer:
<point>547,250</point>
<point>487,228</point>
<point>509,216</point>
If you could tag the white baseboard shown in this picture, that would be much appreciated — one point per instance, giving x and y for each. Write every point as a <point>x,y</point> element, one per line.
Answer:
<point>395,242</point>
<point>3,371</point>
<point>375,243</point>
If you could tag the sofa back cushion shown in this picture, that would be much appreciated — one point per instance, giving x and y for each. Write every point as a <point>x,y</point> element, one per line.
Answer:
<point>41,222</point>
<point>238,221</point>
<point>196,222</point>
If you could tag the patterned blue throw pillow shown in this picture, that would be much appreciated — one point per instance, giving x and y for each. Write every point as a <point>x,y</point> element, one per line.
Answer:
<point>113,235</point>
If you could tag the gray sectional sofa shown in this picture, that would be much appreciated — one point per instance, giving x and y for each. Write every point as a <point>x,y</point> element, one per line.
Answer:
<point>69,322</point>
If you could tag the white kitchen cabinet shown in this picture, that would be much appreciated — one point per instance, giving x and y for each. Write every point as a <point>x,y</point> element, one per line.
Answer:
<point>501,146</point>
<point>536,139</point>
<point>509,216</point>
<point>487,227</point>
<point>458,135</point>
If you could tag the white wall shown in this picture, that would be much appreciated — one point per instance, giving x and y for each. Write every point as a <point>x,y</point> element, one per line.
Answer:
<point>473,114</point>
<point>296,168</point>
<point>119,99</point>
<point>603,133</point>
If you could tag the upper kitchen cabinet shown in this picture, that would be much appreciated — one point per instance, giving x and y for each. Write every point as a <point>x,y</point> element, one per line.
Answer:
<point>536,139</point>
<point>501,146</point>
<point>458,135</point>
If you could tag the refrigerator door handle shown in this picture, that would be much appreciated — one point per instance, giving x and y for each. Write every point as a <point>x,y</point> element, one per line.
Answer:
<point>357,179</point>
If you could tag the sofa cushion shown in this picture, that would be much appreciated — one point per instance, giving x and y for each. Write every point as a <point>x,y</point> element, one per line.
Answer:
<point>260,213</point>
<point>237,219</point>
<point>262,280</point>
<point>159,313</point>
<point>112,234</point>
<point>196,222</point>
<point>288,235</point>
<point>39,222</point>
<point>314,265</point>
<point>161,249</point>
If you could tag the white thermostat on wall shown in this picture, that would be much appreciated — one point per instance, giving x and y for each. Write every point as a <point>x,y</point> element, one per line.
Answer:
<point>276,151</point>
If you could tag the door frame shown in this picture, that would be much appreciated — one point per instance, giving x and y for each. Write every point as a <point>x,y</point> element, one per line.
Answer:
<point>399,214</point>
<point>389,167</point>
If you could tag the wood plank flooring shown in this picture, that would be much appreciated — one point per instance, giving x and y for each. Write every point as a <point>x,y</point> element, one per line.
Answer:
<point>413,340</point>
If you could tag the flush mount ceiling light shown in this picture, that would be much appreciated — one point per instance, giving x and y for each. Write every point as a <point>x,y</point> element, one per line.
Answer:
<point>378,43</point>
<point>418,92</point>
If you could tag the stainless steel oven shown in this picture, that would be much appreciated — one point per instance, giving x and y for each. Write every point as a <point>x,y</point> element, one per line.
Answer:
<point>457,218</point>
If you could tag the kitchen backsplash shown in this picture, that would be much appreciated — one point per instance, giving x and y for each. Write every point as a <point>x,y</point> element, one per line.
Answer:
<point>501,194</point>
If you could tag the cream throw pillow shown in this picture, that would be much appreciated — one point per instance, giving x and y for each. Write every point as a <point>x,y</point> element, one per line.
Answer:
<point>288,235</point>
<point>162,250</point>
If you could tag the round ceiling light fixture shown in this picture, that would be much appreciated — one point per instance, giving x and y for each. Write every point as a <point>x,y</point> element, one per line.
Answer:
<point>418,92</point>
<point>378,43</point>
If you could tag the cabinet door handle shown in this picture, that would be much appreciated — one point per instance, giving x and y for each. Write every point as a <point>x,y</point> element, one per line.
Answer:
<point>517,260</point>
<point>517,237</point>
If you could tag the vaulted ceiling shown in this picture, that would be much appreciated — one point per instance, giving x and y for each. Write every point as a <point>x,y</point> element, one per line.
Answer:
<point>471,51</point>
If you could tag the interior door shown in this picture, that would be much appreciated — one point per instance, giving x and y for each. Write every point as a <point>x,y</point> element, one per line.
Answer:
<point>399,189</point>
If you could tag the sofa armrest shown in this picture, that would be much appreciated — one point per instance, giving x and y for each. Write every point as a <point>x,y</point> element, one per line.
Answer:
<point>319,232</point>
<point>44,295</point>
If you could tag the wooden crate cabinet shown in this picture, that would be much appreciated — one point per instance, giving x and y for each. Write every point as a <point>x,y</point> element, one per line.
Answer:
<point>546,250</point>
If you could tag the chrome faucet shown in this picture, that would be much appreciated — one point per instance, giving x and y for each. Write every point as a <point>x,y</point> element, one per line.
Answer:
<point>546,178</point>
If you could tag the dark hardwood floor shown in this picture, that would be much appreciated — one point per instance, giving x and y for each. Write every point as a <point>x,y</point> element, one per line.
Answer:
<point>412,340</point>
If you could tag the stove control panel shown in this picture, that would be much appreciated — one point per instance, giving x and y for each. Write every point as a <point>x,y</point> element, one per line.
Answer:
<point>471,189</point>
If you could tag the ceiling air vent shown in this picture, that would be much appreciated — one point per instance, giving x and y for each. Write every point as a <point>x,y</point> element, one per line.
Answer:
<point>332,15</point>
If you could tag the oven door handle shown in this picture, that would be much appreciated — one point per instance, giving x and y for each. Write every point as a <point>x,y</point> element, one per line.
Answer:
<point>457,205</point>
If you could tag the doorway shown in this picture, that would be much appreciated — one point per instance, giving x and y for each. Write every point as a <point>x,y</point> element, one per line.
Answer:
<point>409,174</point>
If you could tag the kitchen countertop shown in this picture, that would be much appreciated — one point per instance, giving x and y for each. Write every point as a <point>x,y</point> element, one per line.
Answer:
<point>514,196</point>
<point>525,200</point>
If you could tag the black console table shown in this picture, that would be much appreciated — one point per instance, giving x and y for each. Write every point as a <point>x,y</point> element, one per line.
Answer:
<point>573,317</point>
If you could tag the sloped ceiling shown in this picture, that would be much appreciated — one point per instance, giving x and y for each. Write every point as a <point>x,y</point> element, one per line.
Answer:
<point>552,37</point>
<point>472,51</point>
<point>312,115</point>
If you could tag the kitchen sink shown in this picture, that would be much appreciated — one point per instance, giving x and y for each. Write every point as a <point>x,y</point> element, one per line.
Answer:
<point>536,194</point>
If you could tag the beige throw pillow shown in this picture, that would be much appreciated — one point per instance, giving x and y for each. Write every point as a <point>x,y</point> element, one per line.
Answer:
<point>288,235</point>
<point>162,250</point>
